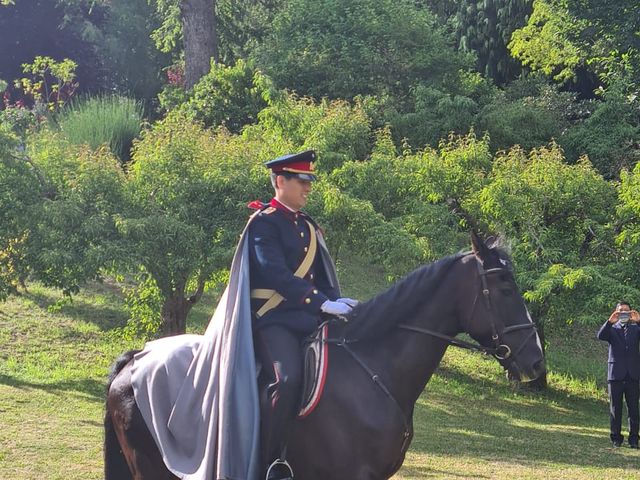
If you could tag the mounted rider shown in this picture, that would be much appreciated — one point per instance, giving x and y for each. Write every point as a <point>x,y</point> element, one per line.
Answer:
<point>293,281</point>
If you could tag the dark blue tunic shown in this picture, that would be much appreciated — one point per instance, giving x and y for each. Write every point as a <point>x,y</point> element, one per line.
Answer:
<point>278,242</point>
<point>624,350</point>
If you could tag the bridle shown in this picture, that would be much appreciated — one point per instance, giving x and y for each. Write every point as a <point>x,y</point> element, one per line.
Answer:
<point>500,349</point>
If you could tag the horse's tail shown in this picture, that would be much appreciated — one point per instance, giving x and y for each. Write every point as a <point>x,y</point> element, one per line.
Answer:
<point>115,464</point>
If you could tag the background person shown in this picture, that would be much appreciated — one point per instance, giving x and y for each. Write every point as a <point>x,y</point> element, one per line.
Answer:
<point>622,333</point>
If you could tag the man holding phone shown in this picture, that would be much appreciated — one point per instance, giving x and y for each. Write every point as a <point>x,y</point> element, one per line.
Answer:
<point>622,333</point>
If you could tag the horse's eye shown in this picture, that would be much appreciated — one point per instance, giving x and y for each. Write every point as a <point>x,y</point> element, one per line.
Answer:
<point>506,291</point>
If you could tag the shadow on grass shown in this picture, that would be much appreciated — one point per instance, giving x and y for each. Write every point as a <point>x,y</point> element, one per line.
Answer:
<point>107,317</point>
<point>526,428</point>
<point>425,472</point>
<point>93,389</point>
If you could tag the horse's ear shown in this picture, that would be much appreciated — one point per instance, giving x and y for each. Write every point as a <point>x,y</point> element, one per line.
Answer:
<point>478,246</point>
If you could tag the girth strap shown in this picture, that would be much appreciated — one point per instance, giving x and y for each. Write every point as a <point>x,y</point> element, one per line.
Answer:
<point>273,298</point>
<point>376,379</point>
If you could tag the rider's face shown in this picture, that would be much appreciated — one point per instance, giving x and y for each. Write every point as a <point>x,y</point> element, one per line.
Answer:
<point>293,191</point>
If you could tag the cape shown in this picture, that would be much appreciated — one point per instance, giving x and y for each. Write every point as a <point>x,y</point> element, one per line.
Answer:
<point>198,394</point>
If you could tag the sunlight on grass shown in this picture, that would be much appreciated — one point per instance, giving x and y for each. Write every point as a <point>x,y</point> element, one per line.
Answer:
<point>469,423</point>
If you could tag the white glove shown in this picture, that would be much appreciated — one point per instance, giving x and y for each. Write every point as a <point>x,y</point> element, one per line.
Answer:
<point>335,308</point>
<point>349,301</point>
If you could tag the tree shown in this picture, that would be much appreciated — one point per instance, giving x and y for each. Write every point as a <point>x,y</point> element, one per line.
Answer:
<point>227,95</point>
<point>564,36</point>
<point>186,195</point>
<point>558,218</point>
<point>485,27</point>
<point>547,42</point>
<point>200,38</point>
<point>344,48</point>
<point>73,235</point>
<point>20,201</point>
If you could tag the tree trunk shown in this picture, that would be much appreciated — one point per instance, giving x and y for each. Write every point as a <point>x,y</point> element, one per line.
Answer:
<point>200,38</point>
<point>174,315</point>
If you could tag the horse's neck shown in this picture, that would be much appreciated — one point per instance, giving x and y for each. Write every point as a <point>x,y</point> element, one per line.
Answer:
<point>408,359</point>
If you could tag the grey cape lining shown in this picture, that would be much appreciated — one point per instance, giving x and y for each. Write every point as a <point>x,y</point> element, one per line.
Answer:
<point>198,393</point>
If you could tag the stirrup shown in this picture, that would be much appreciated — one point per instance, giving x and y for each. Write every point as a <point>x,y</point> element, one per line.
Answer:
<point>280,469</point>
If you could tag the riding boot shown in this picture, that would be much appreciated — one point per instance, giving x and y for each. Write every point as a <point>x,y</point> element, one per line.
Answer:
<point>275,419</point>
<point>281,358</point>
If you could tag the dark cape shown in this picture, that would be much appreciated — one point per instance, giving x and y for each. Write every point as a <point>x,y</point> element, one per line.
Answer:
<point>198,394</point>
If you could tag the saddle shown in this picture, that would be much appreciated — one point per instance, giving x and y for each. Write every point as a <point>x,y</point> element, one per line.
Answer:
<point>316,363</point>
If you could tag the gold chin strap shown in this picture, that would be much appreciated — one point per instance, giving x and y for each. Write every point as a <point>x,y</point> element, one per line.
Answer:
<point>273,298</point>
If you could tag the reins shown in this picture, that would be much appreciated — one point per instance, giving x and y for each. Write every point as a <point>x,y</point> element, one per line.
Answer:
<point>500,350</point>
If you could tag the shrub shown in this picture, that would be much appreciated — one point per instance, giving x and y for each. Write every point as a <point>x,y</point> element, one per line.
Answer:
<point>94,121</point>
<point>609,136</point>
<point>229,96</point>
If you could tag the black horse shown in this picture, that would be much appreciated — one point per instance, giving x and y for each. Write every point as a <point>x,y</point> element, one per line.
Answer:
<point>378,368</point>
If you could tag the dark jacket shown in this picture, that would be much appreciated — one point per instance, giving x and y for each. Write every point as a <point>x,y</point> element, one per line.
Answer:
<point>624,350</point>
<point>278,242</point>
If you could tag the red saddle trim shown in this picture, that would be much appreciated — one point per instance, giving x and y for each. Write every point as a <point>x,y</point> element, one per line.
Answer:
<point>318,388</point>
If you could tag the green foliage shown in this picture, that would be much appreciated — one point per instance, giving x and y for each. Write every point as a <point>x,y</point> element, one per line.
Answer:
<point>338,130</point>
<point>20,119</point>
<point>127,52</point>
<point>344,48</point>
<point>564,35</point>
<point>242,25</point>
<point>551,207</point>
<point>384,180</point>
<point>168,35</point>
<point>628,209</point>
<point>459,169</point>
<point>485,28</point>
<point>105,120</point>
<point>610,135</point>
<point>529,112</point>
<point>529,122</point>
<point>19,200</point>
<point>229,96</point>
<point>74,235</point>
<point>51,83</point>
<point>585,294</point>
<point>186,194</point>
<point>557,218</point>
<point>354,224</point>
<point>432,113</point>
<point>547,42</point>
<point>144,304</point>
<point>421,193</point>
<point>239,25</point>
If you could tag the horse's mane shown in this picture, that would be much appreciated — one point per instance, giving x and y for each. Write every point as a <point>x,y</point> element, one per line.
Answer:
<point>377,316</point>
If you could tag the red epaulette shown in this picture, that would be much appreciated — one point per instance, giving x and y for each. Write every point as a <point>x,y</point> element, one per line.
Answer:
<point>255,205</point>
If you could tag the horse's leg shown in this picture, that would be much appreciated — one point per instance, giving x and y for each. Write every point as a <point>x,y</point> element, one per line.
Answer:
<point>115,463</point>
<point>137,445</point>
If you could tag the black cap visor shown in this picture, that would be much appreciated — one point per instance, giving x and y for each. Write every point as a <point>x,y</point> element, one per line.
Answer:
<point>302,176</point>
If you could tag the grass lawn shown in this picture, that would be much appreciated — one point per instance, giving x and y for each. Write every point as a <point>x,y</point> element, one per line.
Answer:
<point>470,423</point>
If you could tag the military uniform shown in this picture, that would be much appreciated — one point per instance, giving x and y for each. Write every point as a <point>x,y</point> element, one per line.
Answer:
<point>279,240</point>
<point>289,285</point>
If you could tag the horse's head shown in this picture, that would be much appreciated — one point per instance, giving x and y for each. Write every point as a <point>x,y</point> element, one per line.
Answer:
<point>496,315</point>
